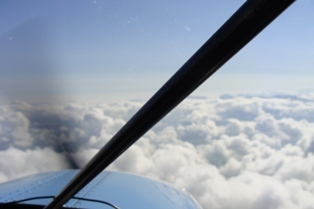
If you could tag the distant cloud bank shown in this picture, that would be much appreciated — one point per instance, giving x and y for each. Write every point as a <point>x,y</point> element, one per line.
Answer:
<point>235,151</point>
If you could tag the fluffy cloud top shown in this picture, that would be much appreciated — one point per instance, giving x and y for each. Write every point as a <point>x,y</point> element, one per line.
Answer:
<point>236,151</point>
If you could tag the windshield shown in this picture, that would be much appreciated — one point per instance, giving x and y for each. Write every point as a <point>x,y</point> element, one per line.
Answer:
<point>73,72</point>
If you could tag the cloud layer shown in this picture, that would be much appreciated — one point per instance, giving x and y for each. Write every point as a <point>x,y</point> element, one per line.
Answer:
<point>235,151</point>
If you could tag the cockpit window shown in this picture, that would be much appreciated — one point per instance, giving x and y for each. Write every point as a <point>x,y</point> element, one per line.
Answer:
<point>73,72</point>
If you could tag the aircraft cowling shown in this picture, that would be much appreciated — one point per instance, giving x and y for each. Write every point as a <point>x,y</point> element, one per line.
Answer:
<point>120,189</point>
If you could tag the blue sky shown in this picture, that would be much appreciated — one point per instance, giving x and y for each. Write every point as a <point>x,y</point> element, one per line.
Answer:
<point>75,48</point>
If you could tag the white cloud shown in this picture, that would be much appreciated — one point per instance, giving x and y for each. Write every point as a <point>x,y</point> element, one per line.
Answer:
<point>229,152</point>
<point>15,163</point>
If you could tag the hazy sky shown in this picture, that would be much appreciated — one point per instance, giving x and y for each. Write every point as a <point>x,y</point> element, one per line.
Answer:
<point>72,48</point>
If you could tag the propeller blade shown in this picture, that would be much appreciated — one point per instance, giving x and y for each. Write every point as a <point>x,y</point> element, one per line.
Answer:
<point>27,73</point>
